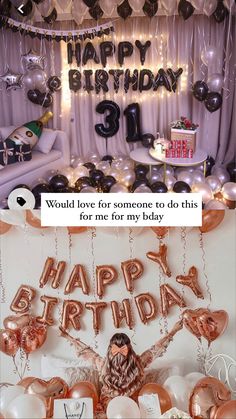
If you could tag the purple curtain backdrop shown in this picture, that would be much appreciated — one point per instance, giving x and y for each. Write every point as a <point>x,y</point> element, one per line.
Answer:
<point>175,43</point>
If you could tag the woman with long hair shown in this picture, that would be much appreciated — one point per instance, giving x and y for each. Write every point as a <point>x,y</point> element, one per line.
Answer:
<point>121,372</point>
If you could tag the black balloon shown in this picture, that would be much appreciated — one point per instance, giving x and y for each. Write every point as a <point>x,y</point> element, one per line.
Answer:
<point>161,79</point>
<point>213,101</point>
<point>37,202</point>
<point>68,189</point>
<point>38,1</point>
<point>90,53</point>
<point>210,162</point>
<point>38,98</point>
<point>139,182</point>
<point>83,182</point>
<point>132,113</point>
<point>141,171</point>
<point>5,8</point>
<point>22,185</point>
<point>174,75</point>
<point>108,158</point>
<point>58,182</point>
<point>107,49</point>
<point>96,176</point>
<point>231,167</point>
<point>125,49</point>
<point>54,83</point>
<point>106,183</point>
<point>111,119</point>
<point>41,188</point>
<point>159,187</point>
<point>200,90</point>
<point>185,9</point>
<point>96,12</point>
<point>89,3</point>
<point>181,187</point>
<point>26,8</point>
<point>142,49</point>
<point>148,140</point>
<point>221,12</point>
<point>145,79</point>
<point>150,8</point>
<point>52,17</point>
<point>89,165</point>
<point>124,10</point>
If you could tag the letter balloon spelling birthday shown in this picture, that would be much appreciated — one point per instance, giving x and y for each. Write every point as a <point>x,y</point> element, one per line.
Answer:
<point>122,371</point>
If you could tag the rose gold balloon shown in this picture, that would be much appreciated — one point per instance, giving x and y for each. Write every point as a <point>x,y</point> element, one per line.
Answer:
<point>191,281</point>
<point>132,269</point>
<point>32,338</point>
<point>84,389</point>
<point>22,299</point>
<point>161,259</point>
<point>163,395</point>
<point>105,275</point>
<point>26,381</point>
<point>212,324</point>
<point>4,227</point>
<point>9,342</point>
<point>146,306</point>
<point>96,309</point>
<point>32,220</point>
<point>207,393</point>
<point>16,323</point>
<point>169,298</point>
<point>160,231</point>
<point>49,303</point>
<point>122,312</point>
<point>1,416</point>
<point>77,230</point>
<point>55,388</point>
<point>226,410</point>
<point>211,219</point>
<point>190,321</point>
<point>77,279</point>
<point>71,313</point>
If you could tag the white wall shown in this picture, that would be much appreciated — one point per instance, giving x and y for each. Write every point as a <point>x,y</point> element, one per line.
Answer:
<point>25,251</point>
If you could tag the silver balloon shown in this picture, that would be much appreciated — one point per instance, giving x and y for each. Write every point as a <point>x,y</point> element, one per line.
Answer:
<point>221,173</point>
<point>169,6</point>
<point>108,7</point>
<point>127,177</point>
<point>229,191</point>
<point>69,173</point>
<point>198,176</point>
<point>155,177</point>
<point>209,55</point>
<point>66,3</point>
<point>114,172</point>
<point>13,80</point>
<point>80,171</point>
<point>170,181</point>
<point>93,158</point>
<point>35,79</point>
<point>104,166</point>
<point>136,5</point>
<point>214,204</point>
<point>78,162</point>
<point>204,190</point>
<point>186,177</point>
<point>32,60</point>
<point>167,171</point>
<point>198,4</point>
<point>209,7</point>
<point>126,164</point>
<point>215,82</point>
<point>118,188</point>
<point>78,11</point>
<point>49,174</point>
<point>88,189</point>
<point>214,183</point>
<point>143,189</point>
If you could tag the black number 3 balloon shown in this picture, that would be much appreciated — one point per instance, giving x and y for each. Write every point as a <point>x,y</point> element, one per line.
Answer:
<point>112,125</point>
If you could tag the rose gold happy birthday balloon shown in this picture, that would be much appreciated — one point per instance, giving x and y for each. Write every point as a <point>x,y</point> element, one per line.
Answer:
<point>212,324</point>
<point>9,342</point>
<point>16,323</point>
<point>226,410</point>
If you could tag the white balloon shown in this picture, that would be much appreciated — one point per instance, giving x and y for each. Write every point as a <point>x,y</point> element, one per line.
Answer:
<point>80,171</point>
<point>122,407</point>
<point>118,188</point>
<point>35,79</point>
<point>166,171</point>
<point>170,181</point>
<point>178,390</point>
<point>214,183</point>
<point>114,172</point>
<point>26,406</point>
<point>215,82</point>
<point>107,7</point>
<point>13,217</point>
<point>127,177</point>
<point>136,5</point>
<point>155,177</point>
<point>198,4</point>
<point>88,189</point>
<point>126,164</point>
<point>186,177</point>
<point>78,161</point>
<point>221,173</point>
<point>204,190</point>
<point>198,176</point>
<point>143,189</point>
<point>169,6</point>
<point>209,55</point>
<point>7,394</point>
<point>209,7</point>
<point>229,191</point>
<point>215,204</point>
<point>104,166</point>
<point>193,378</point>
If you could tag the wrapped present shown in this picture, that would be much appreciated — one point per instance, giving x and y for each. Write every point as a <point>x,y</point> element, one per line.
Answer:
<point>23,153</point>
<point>7,152</point>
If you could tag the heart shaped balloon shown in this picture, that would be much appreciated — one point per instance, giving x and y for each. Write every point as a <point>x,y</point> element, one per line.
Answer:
<point>32,338</point>
<point>16,323</point>
<point>190,321</point>
<point>9,342</point>
<point>207,394</point>
<point>212,324</point>
<point>56,388</point>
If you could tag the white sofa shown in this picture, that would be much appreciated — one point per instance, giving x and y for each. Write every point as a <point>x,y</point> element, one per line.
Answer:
<point>28,172</point>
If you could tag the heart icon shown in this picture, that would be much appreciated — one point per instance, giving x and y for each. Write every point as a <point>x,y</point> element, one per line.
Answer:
<point>56,388</point>
<point>16,323</point>
<point>212,324</point>
<point>190,321</point>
